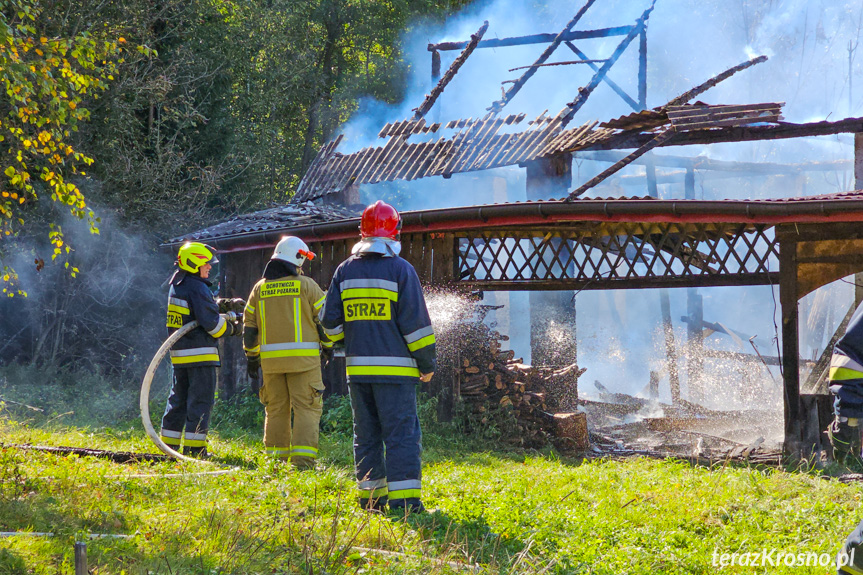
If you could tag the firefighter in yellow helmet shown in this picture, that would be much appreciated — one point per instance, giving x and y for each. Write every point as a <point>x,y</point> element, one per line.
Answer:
<point>195,356</point>
<point>283,337</point>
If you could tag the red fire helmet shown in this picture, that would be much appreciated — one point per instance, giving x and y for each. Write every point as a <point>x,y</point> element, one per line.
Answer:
<point>380,220</point>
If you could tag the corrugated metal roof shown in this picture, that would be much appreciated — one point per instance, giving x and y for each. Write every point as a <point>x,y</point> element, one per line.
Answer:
<point>826,208</point>
<point>278,218</point>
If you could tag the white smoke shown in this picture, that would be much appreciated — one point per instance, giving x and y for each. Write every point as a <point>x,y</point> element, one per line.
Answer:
<point>688,42</point>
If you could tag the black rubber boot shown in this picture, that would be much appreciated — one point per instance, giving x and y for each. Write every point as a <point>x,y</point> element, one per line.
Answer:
<point>846,442</point>
<point>196,452</point>
<point>378,505</point>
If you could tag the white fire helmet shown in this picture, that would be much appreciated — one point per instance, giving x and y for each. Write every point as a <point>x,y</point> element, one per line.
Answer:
<point>293,250</point>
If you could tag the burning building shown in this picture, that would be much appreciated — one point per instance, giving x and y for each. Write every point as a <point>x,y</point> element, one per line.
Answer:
<point>556,248</point>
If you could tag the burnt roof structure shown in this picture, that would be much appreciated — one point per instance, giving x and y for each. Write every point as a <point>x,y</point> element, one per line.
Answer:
<point>276,219</point>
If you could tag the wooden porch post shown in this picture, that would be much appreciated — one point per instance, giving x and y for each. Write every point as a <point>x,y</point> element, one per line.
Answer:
<point>790,345</point>
<point>551,178</point>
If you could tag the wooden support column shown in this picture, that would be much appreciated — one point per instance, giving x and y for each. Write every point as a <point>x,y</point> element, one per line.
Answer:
<point>551,178</point>
<point>790,345</point>
<point>695,311</point>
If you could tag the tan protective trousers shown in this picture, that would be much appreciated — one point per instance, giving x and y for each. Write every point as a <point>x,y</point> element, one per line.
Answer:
<point>302,392</point>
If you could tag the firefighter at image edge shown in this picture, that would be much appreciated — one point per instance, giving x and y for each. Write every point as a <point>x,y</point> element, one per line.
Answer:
<point>846,384</point>
<point>375,305</point>
<point>283,337</point>
<point>195,356</point>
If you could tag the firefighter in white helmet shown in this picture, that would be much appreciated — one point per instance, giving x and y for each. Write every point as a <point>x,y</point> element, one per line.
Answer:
<point>282,336</point>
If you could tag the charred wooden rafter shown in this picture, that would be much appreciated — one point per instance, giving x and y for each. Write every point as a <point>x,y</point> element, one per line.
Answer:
<point>533,39</point>
<point>585,92</point>
<point>619,165</point>
<point>611,84</point>
<point>476,145</point>
<point>497,106</point>
<point>701,88</point>
<point>567,63</point>
<point>430,99</point>
<point>785,130</point>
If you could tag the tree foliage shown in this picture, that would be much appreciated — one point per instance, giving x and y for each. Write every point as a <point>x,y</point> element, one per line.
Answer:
<point>48,81</point>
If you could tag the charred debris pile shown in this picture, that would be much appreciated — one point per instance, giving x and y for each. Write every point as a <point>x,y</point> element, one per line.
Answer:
<point>536,406</point>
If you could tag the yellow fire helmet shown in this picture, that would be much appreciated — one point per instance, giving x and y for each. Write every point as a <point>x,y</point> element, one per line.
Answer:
<point>193,255</point>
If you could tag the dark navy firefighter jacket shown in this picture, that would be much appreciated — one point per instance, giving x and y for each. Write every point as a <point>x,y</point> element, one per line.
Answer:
<point>190,299</point>
<point>846,369</point>
<point>376,305</point>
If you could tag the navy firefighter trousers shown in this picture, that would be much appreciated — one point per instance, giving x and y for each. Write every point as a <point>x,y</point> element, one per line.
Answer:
<point>387,443</point>
<point>189,406</point>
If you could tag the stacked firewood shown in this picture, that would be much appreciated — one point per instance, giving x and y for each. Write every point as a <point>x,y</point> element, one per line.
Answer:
<point>491,379</point>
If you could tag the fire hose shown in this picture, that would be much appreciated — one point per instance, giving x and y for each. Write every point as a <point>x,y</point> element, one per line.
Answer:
<point>148,381</point>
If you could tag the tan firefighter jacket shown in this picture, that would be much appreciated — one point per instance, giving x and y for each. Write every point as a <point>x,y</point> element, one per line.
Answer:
<point>284,312</point>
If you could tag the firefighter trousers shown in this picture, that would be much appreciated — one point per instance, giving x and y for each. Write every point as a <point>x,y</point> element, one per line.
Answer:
<point>189,406</point>
<point>303,393</point>
<point>385,416</point>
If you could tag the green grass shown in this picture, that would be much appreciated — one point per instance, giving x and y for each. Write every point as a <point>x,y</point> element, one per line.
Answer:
<point>495,511</point>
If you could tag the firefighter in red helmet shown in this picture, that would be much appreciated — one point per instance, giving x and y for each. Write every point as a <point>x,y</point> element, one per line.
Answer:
<point>376,306</point>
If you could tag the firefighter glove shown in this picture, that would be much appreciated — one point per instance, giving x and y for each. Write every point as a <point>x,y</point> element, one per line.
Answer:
<point>233,328</point>
<point>252,367</point>
<point>327,353</point>
<point>236,305</point>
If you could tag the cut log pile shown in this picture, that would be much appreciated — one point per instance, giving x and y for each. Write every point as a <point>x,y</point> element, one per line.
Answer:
<point>542,399</point>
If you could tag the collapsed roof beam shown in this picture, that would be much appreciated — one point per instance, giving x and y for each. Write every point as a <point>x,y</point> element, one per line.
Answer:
<point>613,85</point>
<point>701,88</point>
<point>585,92</point>
<point>432,96</point>
<point>736,134</point>
<point>533,39</point>
<point>497,106</point>
<point>657,141</point>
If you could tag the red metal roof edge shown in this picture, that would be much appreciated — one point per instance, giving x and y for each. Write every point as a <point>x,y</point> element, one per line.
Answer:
<point>847,207</point>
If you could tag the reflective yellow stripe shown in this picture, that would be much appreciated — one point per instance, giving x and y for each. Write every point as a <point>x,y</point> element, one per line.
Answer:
<point>262,324</point>
<point>249,310</point>
<point>304,451</point>
<point>382,370</point>
<point>326,344</point>
<point>375,494</point>
<point>850,569</point>
<point>194,358</point>
<point>278,451</point>
<point>320,303</point>
<point>844,374</point>
<point>370,292</point>
<point>405,493</point>
<point>171,440</point>
<point>298,320</point>
<point>178,309</point>
<point>290,353</point>
<point>255,349</point>
<point>337,337</point>
<point>221,332</point>
<point>420,343</point>
<point>195,442</point>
